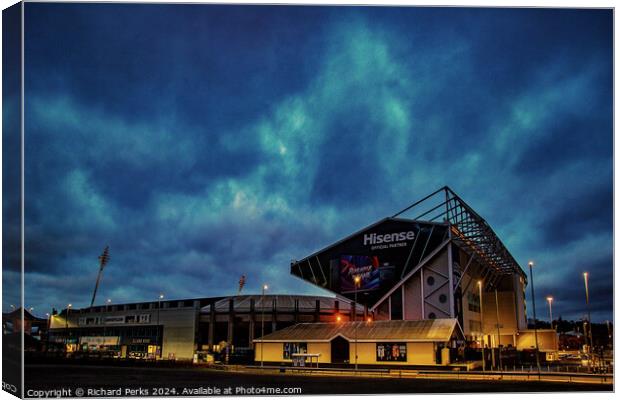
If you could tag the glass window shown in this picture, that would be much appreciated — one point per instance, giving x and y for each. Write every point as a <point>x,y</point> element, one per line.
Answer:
<point>474,326</point>
<point>293,348</point>
<point>473,302</point>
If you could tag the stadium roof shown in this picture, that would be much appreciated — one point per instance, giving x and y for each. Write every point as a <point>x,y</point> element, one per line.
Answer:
<point>282,303</point>
<point>433,330</point>
<point>469,229</point>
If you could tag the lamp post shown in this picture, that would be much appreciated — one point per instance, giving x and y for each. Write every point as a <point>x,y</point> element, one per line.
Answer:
<point>589,333</point>
<point>608,333</point>
<point>107,303</point>
<point>531,264</point>
<point>159,299</point>
<point>549,301</point>
<point>262,323</point>
<point>484,361</point>
<point>357,279</point>
<point>499,340</point>
<point>67,325</point>
<point>47,334</point>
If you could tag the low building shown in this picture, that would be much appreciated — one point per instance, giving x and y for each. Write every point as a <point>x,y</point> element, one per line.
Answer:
<point>177,329</point>
<point>157,329</point>
<point>389,343</point>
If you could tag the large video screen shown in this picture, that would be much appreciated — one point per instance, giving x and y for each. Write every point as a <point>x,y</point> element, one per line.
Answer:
<point>366,267</point>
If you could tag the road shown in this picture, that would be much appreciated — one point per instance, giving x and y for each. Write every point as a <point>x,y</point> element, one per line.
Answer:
<point>172,381</point>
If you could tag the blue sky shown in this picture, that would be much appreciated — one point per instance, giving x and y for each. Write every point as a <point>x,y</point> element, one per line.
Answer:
<point>205,142</point>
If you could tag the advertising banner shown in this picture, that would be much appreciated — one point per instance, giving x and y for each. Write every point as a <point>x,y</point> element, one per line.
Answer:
<point>366,267</point>
<point>391,352</point>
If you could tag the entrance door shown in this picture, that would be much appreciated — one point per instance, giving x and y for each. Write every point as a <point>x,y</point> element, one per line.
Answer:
<point>340,350</point>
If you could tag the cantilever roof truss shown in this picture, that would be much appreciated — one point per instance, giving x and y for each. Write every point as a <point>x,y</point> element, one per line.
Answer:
<point>468,229</point>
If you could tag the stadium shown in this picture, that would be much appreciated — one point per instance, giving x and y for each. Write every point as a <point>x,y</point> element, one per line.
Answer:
<point>435,289</point>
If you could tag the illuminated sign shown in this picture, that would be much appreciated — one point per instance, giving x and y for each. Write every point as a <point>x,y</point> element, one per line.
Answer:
<point>373,238</point>
<point>364,267</point>
<point>388,240</point>
<point>99,340</point>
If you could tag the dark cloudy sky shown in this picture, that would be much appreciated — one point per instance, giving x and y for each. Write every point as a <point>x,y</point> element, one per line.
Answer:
<point>205,142</point>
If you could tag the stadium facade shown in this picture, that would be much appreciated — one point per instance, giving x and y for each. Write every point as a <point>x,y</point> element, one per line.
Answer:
<point>179,329</point>
<point>445,263</point>
<point>426,290</point>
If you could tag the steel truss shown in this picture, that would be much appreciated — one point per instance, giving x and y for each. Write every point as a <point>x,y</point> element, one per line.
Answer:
<point>469,231</point>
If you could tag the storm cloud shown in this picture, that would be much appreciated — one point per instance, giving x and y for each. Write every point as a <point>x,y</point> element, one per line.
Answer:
<point>205,142</point>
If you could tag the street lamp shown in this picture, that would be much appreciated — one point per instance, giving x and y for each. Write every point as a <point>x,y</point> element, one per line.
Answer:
<point>550,300</point>
<point>262,322</point>
<point>531,264</point>
<point>589,333</point>
<point>107,304</point>
<point>47,334</point>
<point>357,279</point>
<point>484,362</point>
<point>67,325</point>
<point>160,347</point>
<point>499,340</point>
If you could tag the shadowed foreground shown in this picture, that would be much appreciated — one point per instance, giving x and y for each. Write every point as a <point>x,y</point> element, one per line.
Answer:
<point>172,381</point>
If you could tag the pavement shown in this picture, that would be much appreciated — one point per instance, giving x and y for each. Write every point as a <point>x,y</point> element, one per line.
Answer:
<point>112,381</point>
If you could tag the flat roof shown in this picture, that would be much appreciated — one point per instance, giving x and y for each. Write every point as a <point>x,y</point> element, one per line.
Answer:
<point>429,330</point>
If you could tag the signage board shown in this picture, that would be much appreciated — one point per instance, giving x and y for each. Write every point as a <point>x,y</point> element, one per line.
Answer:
<point>99,340</point>
<point>392,352</point>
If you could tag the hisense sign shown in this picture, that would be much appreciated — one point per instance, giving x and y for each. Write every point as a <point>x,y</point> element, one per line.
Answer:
<point>388,239</point>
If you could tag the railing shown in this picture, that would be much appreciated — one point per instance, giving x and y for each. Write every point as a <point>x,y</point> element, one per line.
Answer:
<point>526,375</point>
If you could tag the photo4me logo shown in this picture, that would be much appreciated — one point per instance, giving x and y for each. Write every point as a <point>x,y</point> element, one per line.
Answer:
<point>394,239</point>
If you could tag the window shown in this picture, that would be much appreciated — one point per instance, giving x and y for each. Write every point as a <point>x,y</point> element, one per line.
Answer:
<point>473,302</point>
<point>293,348</point>
<point>443,298</point>
<point>432,315</point>
<point>396,304</point>
<point>391,351</point>
<point>430,281</point>
<point>130,319</point>
<point>474,326</point>
<point>144,318</point>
